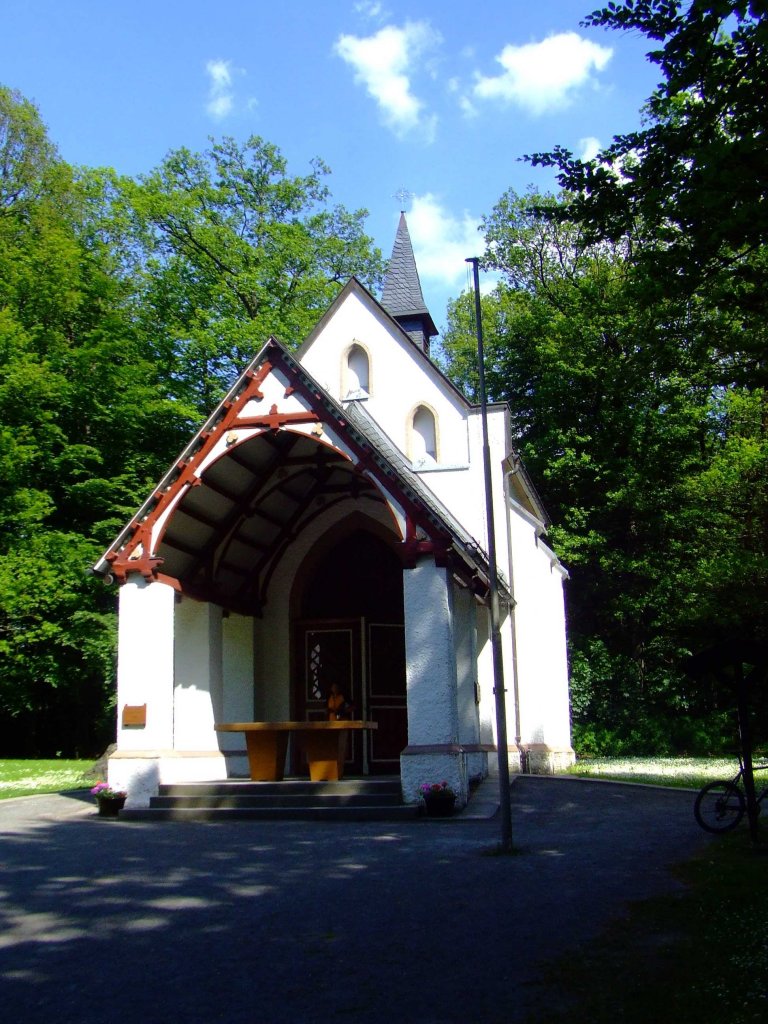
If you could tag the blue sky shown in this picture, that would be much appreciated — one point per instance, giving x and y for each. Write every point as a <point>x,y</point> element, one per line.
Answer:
<point>438,97</point>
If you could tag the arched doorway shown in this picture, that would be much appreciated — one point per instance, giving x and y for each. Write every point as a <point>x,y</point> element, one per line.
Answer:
<point>350,631</point>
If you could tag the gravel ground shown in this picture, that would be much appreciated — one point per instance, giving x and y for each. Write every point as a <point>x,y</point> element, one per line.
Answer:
<point>110,922</point>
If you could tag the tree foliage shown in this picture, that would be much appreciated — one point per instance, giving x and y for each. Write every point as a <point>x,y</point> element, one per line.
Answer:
<point>653,470</point>
<point>126,309</point>
<point>692,185</point>
<point>629,336</point>
<point>231,249</point>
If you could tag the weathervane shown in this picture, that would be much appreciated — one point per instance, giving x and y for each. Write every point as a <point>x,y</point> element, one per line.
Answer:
<point>403,195</point>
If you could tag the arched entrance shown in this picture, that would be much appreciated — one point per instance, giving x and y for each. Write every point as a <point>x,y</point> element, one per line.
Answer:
<point>349,630</point>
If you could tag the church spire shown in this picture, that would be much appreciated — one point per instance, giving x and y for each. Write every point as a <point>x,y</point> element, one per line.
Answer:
<point>402,297</point>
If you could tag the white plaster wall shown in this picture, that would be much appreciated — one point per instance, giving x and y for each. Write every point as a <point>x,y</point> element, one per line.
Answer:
<point>465,647</point>
<point>272,692</point>
<point>433,710</point>
<point>237,668</point>
<point>141,772</point>
<point>238,679</point>
<point>429,648</point>
<point>416,769</point>
<point>145,662</point>
<point>462,488</point>
<point>400,378</point>
<point>465,653</point>
<point>198,693</point>
<point>487,709</point>
<point>540,627</point>
<point>213,668</point>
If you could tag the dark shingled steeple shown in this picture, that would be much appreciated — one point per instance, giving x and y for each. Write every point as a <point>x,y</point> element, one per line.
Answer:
<point>402,296</point>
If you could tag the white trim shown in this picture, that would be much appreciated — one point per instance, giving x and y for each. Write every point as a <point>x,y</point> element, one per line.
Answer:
<point>529,517</point>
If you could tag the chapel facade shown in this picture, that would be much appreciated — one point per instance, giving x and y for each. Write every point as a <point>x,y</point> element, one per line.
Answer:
<point>327,525</point>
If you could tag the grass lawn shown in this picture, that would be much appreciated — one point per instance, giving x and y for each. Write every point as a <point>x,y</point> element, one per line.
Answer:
<point>25,778</point>
<point>686,772</point>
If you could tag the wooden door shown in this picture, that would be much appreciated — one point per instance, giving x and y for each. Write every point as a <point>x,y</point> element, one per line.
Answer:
<point>328,651</point>
<point>386,697</point>
<point>367,660</point>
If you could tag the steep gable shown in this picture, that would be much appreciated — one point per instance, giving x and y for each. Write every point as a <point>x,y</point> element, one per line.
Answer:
<point>275,452</point>
<point>401,378</point>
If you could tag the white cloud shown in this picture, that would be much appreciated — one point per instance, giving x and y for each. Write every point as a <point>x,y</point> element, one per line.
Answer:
<point>370,9</point>
<point>221,94</point>
<point>382,63</point>
<point>443,242</point>
<point>589,147</point>
<point>541,77</point>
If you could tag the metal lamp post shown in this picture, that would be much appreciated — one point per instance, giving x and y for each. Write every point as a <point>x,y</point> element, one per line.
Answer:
<point>498,664</point>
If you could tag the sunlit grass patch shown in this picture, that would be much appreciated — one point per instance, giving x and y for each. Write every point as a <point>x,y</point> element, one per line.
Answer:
<point>685,772</point>
<point>27,777</point>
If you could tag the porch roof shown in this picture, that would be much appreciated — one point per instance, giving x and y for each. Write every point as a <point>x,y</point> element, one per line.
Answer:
<point>218,528</point>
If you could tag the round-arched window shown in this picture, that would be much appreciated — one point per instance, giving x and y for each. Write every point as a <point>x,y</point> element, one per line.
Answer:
<point>358,373</point>
<point>424,436</point>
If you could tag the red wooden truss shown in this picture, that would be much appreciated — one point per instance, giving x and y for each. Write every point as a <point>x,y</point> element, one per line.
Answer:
<point>276,453</point>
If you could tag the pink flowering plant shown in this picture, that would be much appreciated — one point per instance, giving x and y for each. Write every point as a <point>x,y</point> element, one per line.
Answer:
<point>103,789</point>
<point>438,789</point>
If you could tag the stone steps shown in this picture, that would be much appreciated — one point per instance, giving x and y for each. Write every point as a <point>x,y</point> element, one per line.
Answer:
<point>291,800</point>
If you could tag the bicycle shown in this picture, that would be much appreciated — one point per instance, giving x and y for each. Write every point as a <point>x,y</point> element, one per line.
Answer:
<point>720,806</point>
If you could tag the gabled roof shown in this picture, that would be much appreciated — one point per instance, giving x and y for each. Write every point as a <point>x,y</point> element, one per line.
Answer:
<point>355,287</point>
<point>224,515</point>
<point>371,429</point>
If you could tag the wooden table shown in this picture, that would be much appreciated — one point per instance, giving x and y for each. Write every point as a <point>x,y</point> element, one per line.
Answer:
<point>325,744</point>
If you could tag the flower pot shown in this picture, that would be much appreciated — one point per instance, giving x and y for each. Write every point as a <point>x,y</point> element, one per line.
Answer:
<point>439,805</point>
<point>110,806</point>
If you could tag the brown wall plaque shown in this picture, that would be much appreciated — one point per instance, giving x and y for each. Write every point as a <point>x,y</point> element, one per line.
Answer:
<point>135,715</point>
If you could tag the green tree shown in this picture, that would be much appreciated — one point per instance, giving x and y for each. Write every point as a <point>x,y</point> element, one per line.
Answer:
<point>619,411</point>
<point>231,249</point>
<point>84,427</point>
<point>126,309</point>
<point>661,500</point>
<point>690,188</point>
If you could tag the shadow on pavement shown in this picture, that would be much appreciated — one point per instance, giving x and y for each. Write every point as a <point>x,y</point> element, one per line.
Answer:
<point>105,921</point>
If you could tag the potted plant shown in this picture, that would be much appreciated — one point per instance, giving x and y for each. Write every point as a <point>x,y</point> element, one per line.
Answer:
<point>438,798</point>
<point>110,801</point>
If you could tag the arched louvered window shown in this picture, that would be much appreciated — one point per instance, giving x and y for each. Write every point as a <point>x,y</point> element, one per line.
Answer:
<point>424,436</point>
<point>357,375</point>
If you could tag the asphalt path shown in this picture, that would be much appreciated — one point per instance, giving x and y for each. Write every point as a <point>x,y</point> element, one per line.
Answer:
<point>110,922</point>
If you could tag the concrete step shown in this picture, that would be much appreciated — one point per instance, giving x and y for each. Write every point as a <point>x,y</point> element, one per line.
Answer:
<point>378,788</point>
<point>369,812</point>
<point>276,800</point>
<point>377,799</point>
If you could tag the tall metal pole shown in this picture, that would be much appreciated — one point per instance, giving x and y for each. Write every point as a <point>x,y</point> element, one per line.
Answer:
<point>498,663</point>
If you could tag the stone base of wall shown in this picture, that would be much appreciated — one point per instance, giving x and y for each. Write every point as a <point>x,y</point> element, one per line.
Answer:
<point>420,765</point>
<point>141,772</point>
<point>539,759</point>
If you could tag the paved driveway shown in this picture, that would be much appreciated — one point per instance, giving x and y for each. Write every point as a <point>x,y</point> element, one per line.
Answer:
<point>107,922</point>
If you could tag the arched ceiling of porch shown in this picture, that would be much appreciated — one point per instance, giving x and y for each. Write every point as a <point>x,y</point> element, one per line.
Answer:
<point>218,530</point>
<point>226,537</point>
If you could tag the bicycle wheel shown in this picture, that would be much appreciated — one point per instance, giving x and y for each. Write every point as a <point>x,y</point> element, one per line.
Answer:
<point>719,807</point>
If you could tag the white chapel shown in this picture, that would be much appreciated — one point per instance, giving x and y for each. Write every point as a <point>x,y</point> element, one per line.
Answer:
<point>327,525</point>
